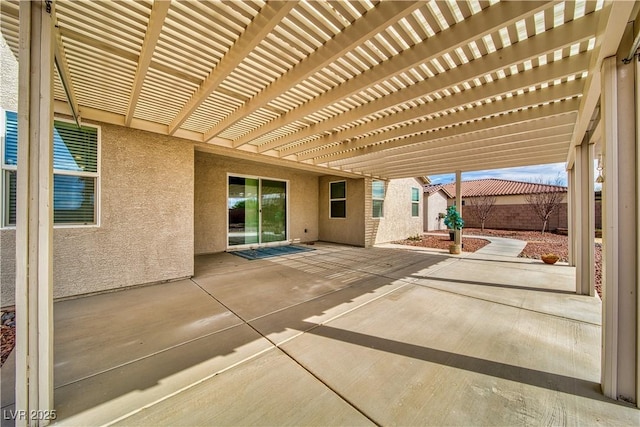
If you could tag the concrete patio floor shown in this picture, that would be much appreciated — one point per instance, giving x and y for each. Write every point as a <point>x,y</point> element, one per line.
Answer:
<point>336,336</point>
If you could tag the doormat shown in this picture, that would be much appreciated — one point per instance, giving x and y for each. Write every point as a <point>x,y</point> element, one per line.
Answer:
<point>269,252</point>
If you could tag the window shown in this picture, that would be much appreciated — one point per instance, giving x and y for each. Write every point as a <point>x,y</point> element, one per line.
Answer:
<point>377,194</point>
<point>415,201</point>
<point>75,172</point>
<point>338,199</point>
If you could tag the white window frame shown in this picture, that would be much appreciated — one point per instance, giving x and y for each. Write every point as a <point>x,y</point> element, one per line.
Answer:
<point>415,202</point>
<point>374,199</point>
<point>338,200</point>
<point>97,175</point>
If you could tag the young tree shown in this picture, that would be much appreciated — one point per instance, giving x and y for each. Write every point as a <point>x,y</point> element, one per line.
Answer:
<point>545,202</point>
<point>481,208</point>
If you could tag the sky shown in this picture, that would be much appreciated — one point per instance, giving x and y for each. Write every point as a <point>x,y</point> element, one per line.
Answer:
<point>547,173</point>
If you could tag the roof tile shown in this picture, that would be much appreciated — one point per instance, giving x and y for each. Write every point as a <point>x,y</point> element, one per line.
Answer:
<point>494,187</point>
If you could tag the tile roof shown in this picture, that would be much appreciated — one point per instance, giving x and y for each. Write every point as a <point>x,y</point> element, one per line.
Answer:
<point>494,187</point>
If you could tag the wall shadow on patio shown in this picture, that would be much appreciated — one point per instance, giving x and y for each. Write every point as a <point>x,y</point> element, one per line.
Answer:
<point>496,285</point>
<point>536,378</point>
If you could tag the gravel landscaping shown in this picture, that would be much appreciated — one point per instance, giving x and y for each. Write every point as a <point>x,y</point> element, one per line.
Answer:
<point>442,241</point>
<point>8,333</point>
<point>537,244</point>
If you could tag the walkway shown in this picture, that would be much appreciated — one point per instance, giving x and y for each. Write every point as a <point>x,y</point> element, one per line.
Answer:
<point>336,336</point>
<point>499,247</point>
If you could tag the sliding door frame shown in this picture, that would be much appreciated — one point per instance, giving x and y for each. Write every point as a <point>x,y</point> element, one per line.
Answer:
<point>287,216</point>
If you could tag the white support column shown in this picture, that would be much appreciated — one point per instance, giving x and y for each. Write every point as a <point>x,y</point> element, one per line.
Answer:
<point>34,221</point>
<point>458,233</point>
<point>571,212</point>
<point>584,219</point>
<point>637,144</point>
<point>619,103</point>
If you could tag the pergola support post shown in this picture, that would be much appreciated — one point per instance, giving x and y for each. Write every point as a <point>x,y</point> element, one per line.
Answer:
<point>571,213</point>
<point>584,219</point>
<point>458,233</point>
<point>34,218</point>
<point>619,103</point>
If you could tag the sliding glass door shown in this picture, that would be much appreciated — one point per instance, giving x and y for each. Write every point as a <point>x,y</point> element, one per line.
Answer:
<point>273,202</point>
<point>257,211</point>
<point>243,210</point>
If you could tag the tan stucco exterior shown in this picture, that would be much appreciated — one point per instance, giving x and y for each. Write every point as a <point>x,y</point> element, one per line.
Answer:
<point>161,201</point>
<point>397,221</point>
<point>349,230</point>
<point>145,233</point>
<point>8,78</point>
<point>359,228</point>
<point>435,204</point>
<point>210,211</point>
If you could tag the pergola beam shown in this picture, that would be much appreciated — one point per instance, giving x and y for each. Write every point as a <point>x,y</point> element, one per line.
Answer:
<point>497,88</point>
<point>514,135</point>
<point>62,65</point>
<point>490,158</point>
<point>159,12</point>
<point>610,28</point>
<point>533,114</point>
<point>444,153</point>
<point>544,43</point>
<point>486,155</point>
<point>473,28</point>
<point>436,169</point>
<point>567,90</point>
<point>270,15</point>
<point>370,24</point>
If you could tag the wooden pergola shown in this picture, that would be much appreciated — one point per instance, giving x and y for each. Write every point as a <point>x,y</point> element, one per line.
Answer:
<point>368,88</point>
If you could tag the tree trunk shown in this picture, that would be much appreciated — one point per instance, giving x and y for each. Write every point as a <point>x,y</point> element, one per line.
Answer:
<point>544,225</point>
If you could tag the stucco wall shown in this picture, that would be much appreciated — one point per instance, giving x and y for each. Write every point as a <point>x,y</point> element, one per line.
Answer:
<point>146,229</point>
<point>7,267</point>
<point>211,194</point>
<point>435,204</point>
<point>349,230</point>
<point>8,78</point>
<point>397,222</point>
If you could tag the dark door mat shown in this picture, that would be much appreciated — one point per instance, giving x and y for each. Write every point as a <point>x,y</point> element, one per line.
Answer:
<point>269,252</point>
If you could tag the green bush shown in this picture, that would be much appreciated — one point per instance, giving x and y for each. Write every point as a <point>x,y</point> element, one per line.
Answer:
<point>453,219</point>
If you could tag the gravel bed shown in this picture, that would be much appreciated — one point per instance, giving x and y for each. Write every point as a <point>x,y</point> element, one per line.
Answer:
<point>8,333</point>
<point>537,244</point>
<point>442,241</point>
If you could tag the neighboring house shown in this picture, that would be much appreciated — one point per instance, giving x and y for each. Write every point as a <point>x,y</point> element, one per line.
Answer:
<point>436,201</point>
<point>511,210</point>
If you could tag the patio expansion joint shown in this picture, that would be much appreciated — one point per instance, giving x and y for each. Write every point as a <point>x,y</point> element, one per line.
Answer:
<point>278,346</point>
<point>185,388</point>
<point>568,319</point>
<point>147,356</point>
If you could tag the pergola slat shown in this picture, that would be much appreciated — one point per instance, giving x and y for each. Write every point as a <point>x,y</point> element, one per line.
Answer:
<point>337,84</point>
